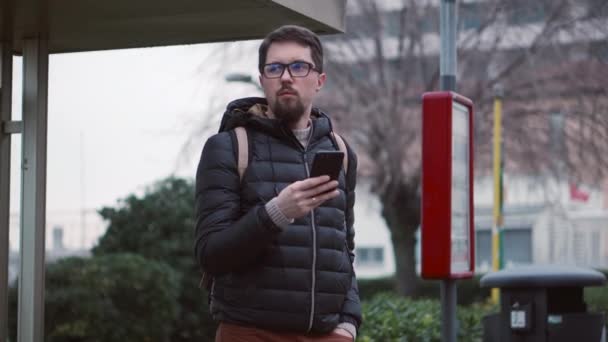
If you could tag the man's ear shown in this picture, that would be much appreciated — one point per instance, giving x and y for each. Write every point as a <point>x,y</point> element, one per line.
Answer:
<point>321,81</point>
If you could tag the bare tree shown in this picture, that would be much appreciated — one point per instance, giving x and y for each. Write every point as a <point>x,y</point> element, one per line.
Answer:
<point>546,54</point>
<point>221,60</point>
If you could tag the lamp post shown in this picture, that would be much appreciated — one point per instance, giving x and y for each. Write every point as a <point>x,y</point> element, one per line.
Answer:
<point>242,78</point>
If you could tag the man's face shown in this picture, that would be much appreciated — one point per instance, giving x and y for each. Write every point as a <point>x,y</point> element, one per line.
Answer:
<point>290,97</point>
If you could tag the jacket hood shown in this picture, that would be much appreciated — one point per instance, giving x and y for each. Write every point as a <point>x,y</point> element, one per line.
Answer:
<point>251,112</point>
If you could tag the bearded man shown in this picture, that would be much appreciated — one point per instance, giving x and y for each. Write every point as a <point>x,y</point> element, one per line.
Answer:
<point>278,243</point>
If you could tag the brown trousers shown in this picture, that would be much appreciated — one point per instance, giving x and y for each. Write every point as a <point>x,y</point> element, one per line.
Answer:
<point>236,333</point>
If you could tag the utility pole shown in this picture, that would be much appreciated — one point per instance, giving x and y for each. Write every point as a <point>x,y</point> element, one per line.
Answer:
<point>447,69</point>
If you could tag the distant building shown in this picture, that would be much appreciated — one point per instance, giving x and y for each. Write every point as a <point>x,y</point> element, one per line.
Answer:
<point>57,238</point>
<point>542,224</point>
<point>68,229</point>
<point>545,221</point>
<point>373,247</point>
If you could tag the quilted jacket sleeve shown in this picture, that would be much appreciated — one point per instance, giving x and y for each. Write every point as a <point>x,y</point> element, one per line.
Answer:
<point>226,239</point>
<point>351,311</point>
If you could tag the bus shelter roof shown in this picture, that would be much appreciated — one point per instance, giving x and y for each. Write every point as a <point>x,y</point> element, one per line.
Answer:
<point>87,25</point>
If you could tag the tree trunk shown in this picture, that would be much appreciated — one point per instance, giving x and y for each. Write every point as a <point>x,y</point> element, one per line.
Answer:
<point>404,244</point>
<point>401,211</point>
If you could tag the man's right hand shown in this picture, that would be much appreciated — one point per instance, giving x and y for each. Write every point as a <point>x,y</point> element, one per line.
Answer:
<point>300,197</point>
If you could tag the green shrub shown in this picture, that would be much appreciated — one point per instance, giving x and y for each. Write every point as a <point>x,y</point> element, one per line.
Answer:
<point>391,318</point>
<point>597,298</point>
<point>159,226</point>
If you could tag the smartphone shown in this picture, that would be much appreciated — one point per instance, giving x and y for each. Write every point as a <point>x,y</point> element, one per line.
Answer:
<point>327,163</point>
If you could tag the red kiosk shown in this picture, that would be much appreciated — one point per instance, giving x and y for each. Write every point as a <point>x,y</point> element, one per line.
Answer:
<point>447,229</point>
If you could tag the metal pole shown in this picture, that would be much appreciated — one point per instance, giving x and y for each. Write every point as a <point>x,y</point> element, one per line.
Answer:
<point>33,190</point>
<point>448,310</point>
<point>6,93</point>
<point>448,33</point>
<point>6,81</point>
<point>447,69</point>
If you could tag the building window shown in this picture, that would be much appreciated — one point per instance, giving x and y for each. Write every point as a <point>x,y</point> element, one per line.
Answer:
<point>517,247</point>
<point>599,49</point>
<point>526,12</point>
<point>392,23</point>
<point>470,15</point>
<point>595,256</point>
<point>369,256</point>
<point>597,8</point>
<point>397,21</point>
<point>483,250</point>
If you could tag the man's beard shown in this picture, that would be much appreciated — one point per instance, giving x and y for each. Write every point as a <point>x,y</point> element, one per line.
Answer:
<point>288,111</point>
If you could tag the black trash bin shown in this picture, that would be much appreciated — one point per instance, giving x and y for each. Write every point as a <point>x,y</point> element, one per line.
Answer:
<point>543,303</point>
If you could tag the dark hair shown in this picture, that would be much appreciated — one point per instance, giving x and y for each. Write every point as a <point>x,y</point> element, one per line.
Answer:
<point>297,34</point>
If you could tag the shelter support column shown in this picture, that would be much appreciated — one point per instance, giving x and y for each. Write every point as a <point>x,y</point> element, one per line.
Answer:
<point>6,128</point>
<point>33,190</point>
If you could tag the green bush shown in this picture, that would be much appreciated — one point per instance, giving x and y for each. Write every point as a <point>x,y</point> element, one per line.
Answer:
<point>160,226</point>
<point>597,299</point>
<point>119,297</point>
<point>391,318</point>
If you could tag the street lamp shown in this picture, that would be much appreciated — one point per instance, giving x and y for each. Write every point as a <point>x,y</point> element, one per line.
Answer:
<point>243,78</point>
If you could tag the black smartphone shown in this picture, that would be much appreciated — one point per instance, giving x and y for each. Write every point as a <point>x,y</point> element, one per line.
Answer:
<point>327,163</point>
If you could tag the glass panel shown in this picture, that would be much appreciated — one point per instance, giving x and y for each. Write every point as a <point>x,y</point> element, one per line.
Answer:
<point>369,256</point>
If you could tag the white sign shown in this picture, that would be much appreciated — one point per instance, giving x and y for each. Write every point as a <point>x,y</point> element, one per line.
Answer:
<point>460,189</point>
<point>518,319</point>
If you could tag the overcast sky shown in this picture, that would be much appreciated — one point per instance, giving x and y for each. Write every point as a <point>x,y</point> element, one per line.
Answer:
<point>130,112</point>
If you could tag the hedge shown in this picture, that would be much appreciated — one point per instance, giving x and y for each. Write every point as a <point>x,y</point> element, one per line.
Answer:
<point>388,317</point>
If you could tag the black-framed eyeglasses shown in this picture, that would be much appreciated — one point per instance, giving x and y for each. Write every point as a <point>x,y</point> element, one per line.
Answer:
<point>295,69</point>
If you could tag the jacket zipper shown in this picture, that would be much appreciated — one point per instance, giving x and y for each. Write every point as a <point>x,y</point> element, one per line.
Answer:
<point>313,227</point>
<point>314,238</point>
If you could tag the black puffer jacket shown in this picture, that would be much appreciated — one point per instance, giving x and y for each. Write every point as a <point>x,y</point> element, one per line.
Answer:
<point>300,279</point>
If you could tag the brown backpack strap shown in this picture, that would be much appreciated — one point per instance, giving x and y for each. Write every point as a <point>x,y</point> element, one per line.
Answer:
<point>242,150</point>
<point>342,147</point>
<point>206,281</point>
